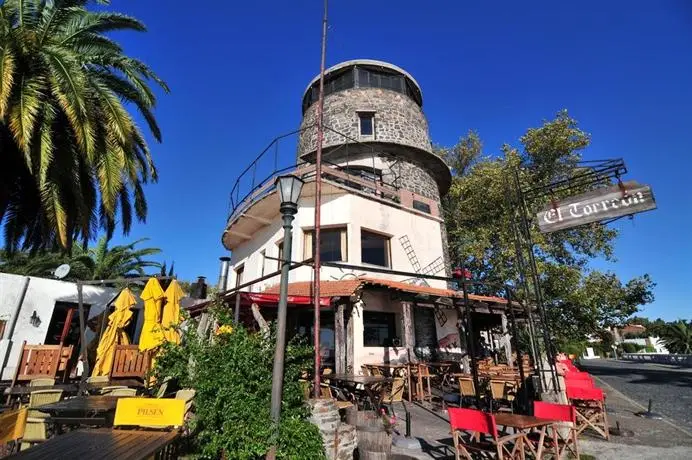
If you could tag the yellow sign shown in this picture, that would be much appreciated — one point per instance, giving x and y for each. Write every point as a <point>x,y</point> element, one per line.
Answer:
<point>159,412</point>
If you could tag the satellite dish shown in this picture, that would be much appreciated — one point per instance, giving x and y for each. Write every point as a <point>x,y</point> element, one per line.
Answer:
<point>62,271</point>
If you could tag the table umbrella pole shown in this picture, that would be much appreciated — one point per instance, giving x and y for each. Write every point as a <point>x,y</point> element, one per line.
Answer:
<point>82,335</point>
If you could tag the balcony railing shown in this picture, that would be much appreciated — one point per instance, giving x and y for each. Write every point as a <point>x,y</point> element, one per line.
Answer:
<point>258,178</point>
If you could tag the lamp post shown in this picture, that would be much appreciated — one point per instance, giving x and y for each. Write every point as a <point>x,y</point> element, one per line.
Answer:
<point>289,187</point>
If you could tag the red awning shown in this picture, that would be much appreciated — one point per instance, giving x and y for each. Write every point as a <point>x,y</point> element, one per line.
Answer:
<point>273,299</point>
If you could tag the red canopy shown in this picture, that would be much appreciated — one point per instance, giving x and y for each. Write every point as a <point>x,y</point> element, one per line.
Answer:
<point>273,299</point>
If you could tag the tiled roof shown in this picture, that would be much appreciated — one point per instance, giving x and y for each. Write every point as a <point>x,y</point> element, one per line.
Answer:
<point>346,288</point>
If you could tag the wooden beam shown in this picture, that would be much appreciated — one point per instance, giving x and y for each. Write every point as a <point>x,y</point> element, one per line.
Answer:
<point>261,220</point>
<point>340,339</point>
<point>350,355</point>
<point>409,338</point>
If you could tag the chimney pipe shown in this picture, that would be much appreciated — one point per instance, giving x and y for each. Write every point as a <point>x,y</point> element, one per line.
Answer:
<point>223,275</point>
<point>200,288</point>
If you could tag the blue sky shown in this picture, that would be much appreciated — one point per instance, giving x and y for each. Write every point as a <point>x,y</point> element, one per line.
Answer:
<point>237,71</point>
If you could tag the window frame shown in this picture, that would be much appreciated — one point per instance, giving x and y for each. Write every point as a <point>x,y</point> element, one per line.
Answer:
<point>387,248</point>
<point>308,236</point>
<point>279,253</point>
<point>239,271</point>
<point>263,261</point>
<point>364,114</point>
<point>391,326</point>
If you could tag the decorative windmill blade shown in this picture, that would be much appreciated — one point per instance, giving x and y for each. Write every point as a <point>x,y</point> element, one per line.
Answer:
<point>410,253</point>
<point>440,315</point>
<point>433,268</point>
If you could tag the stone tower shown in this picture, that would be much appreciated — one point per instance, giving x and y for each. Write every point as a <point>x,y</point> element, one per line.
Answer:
<point>375,126</point>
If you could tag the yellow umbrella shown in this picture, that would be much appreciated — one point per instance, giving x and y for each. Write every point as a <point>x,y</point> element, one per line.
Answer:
<point>151,335</point>
<point>114,333</point>
<point>171,312</point>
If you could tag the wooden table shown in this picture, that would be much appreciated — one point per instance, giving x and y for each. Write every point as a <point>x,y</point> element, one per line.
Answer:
<point>82,410</point>
<point>526,423</point>
<point>368,382</point>
<point>101,444</point>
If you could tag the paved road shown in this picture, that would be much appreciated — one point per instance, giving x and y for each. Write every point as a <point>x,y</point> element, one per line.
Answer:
<point>669,386</point>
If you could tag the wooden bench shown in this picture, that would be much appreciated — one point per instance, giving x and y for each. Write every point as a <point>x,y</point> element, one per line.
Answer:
<point>42,361</point>
<point>129,362</point>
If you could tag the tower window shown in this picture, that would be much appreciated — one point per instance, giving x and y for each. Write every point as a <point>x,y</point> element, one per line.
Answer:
<point>374,248</point>
<point>366,123</point>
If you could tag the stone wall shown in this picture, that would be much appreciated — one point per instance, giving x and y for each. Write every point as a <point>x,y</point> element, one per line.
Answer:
<point>340,439</point>
<point>398,119</point>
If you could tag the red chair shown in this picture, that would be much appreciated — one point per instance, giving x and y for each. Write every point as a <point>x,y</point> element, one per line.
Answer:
<point>559,443</point>
<point>578,375</point>
<point>482,436</point>
<point>591,411</point>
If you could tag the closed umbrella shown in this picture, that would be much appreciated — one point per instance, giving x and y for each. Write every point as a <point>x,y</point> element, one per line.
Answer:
<point>114,333</point>
<point>170,317</point>
<point>151,335</point>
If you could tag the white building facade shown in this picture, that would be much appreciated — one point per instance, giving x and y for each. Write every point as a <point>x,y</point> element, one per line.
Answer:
<point>381,212</point>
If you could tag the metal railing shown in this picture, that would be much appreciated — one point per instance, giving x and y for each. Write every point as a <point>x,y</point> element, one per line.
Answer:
<point>258,178</point>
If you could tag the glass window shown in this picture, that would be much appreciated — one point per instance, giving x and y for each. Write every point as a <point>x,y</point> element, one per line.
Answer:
<point>239,275</point>
<point>379,329</point>
<point>366,123</point>
<point>332,244</point>
<point>419,205</point>
<point>374,248</point>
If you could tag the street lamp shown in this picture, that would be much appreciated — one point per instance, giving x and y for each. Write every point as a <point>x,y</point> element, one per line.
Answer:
<point>289,187</point>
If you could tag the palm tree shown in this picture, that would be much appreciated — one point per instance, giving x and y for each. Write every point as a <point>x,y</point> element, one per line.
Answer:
<point>99,262</point>
<point>677,337</point>
<point>72,155</point>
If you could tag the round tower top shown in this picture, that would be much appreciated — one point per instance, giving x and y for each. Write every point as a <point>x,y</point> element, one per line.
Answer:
<point>363,73</point>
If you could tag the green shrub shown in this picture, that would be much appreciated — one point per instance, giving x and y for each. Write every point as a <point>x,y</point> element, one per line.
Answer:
<point>631,347</point>
<point>650,349</point>
<point>232,375</point>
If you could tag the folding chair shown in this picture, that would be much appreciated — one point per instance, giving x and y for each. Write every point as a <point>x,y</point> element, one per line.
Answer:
<point>365,370</point>
<point>122,392</point>
<point>42,382</point>
<point>590,406</point>
<point>36,429</point>
<point>107,390</point>
<point>481,436</point>
<point>564,435</point>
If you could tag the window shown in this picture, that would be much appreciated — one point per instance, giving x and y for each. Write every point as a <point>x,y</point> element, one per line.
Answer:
<point>374,248</point>
<point>280,255</point>
<point>379,329</point>
<point>263,259</point>
<point>366,123</point>
<point>239,275</point>
<point>419,205</point>
<point>332,244</point>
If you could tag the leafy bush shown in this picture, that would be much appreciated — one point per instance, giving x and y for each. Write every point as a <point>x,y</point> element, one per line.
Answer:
<point>630,347</point>
<point>232,374</point>
<point>650,349</point>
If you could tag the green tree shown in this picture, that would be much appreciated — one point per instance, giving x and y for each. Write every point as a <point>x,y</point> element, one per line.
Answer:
<point>73,156</point>
<point>580,301</point>
<point>677,337</point>
<point>99,262</point>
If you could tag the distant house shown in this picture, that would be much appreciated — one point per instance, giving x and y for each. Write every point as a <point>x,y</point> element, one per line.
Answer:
<point>36,310</point>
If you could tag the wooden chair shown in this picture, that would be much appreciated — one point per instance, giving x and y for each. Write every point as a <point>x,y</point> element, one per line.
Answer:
<point>590,407</point>
<point>98,379</point>
<point>476,431</point>
<point>41,361</point>
<point>12,425</point>
<point>187,395</point>
<point>375,371</point>
<point>129,362</point>
<point>365,370</point>
<point>106,390</point>
<point>423,381</point>
<point>563,435</point>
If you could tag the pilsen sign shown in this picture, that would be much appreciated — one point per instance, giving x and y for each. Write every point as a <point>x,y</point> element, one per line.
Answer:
<point>599,204</point>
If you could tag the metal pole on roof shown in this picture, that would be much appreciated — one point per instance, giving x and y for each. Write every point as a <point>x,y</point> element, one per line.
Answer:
<point>318,203</point>
<point>469,331</point>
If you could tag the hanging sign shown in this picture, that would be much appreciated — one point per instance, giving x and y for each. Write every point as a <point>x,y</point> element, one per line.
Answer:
<point>600,204</point>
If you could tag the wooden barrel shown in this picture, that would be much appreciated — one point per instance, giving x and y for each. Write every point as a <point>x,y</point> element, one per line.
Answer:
<point>374,443</point>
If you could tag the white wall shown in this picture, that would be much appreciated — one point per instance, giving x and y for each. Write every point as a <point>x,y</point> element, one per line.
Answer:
<point>374,355</point>
<point>41,296</point>
<point>355,212</point>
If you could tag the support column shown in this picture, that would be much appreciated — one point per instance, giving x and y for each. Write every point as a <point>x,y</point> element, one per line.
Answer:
<point>409,336</point>
<point>339,339</point>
